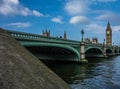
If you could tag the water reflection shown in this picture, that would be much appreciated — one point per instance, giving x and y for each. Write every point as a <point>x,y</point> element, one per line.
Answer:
<point>98,73</point>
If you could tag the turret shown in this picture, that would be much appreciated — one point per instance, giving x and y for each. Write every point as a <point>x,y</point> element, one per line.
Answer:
<point>95,40</point>
<point>65,37</point>
<point>46,33</point>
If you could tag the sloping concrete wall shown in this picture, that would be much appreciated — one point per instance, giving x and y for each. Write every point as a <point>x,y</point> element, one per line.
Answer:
<point>19,69</point>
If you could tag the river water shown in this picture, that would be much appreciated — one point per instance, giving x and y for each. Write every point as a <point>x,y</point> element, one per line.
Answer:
<point>97,74</point>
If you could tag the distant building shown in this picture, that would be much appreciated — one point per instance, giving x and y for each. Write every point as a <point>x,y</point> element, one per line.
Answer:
<point>95,40</point>
<point>108,35</point>
<point>65,36</point>
<point>61,37</point>
<point>87,40</point>
<point>46,33</point>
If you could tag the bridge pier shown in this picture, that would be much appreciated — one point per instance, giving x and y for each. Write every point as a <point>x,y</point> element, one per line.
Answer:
<point>113,49</point>
<point>82,53</point>
<point>104,50</point>
<point>117,48</point>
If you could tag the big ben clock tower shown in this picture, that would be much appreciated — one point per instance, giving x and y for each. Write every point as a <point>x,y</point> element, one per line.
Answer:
<point>108,35</point>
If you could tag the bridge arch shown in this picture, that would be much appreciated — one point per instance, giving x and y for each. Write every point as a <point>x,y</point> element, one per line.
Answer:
<point>115,51</point>
<point>94,52</point>
<point>109,51</point>
<point>60,46</point>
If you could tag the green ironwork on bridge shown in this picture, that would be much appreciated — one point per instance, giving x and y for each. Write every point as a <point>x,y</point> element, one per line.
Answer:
<point>82,50</point>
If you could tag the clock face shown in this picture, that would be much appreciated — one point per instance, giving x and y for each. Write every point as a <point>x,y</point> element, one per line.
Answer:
<point>108,32</point>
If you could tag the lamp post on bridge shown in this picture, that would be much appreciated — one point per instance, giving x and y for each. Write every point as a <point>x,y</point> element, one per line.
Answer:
<point>82,32</point>
<point>104,42</point>
<point>113,49</point>
<point>82,49</point>
<point>104,49</point>
<point>113,43</point>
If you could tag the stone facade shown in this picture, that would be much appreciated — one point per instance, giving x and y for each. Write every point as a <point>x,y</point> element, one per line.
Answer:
<point>46,33</point>
<point>95,40</point>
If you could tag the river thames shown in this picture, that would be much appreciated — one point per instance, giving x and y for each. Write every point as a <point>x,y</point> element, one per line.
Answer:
<point>97,74</point>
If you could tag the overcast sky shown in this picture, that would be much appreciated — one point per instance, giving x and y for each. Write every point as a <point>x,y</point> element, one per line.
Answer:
<point>62,15</point>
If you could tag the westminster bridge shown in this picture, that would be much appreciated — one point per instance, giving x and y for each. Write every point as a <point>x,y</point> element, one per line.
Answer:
<point>53,46</point>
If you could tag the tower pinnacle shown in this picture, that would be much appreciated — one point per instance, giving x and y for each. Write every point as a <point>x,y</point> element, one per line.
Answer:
<point>65,36</point>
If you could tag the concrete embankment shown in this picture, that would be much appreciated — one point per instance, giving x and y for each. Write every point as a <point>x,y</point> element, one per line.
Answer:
<point>19,69</point>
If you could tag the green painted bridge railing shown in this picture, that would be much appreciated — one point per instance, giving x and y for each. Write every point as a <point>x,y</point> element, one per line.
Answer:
<point>35,37</point>
<point>29,36</point>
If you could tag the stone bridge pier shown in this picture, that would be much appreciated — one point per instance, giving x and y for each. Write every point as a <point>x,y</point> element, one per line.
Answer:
<point>82,53</point>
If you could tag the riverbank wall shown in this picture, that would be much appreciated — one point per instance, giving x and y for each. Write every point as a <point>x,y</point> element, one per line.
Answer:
<point>19,69</point>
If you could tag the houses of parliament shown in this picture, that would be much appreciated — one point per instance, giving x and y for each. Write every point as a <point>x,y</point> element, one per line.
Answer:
<point>108,34</point>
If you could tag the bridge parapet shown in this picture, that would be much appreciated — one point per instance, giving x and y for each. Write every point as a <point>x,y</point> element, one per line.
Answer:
<point>94,45</point>
<point>109,47</point>
<point>28,36</point>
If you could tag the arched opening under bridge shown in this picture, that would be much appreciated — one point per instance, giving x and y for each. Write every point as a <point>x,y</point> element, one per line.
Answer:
<point>116,51</point>
<point>109,52</point>
<point>55,53</point>
<point>93,53</point>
